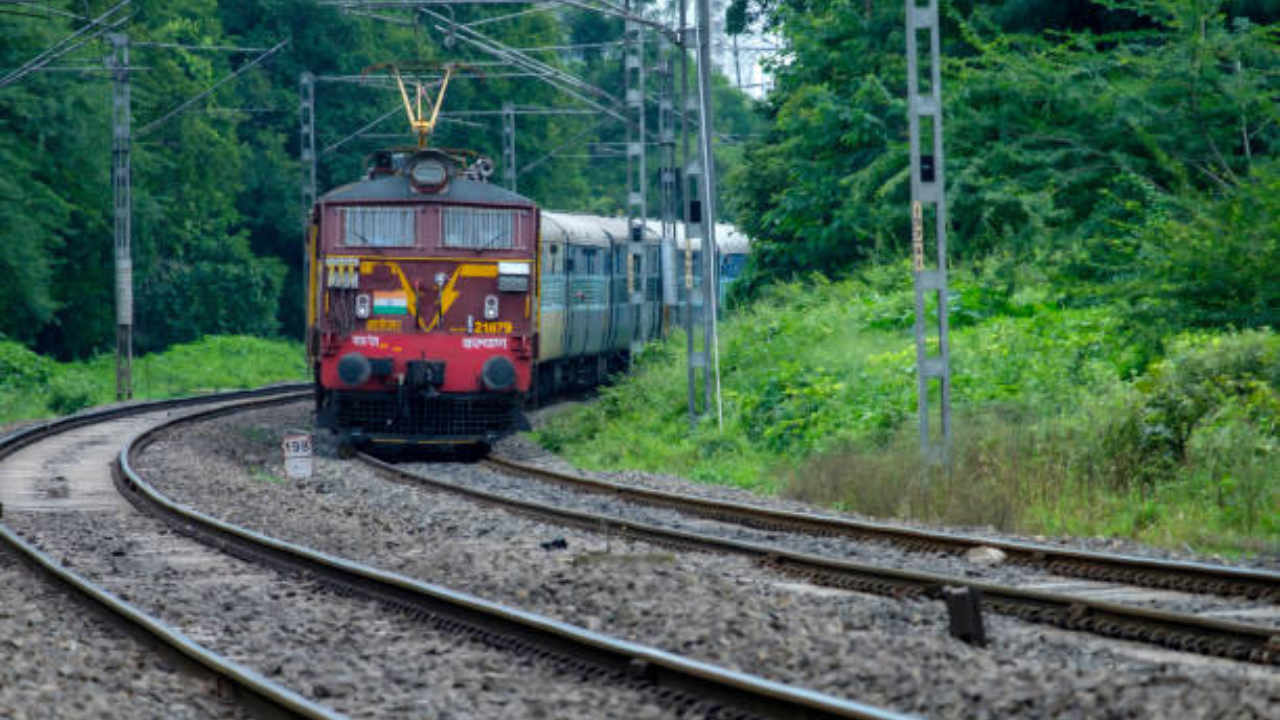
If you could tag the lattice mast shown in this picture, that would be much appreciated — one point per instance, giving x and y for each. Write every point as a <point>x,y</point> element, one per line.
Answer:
<point>924,110</point>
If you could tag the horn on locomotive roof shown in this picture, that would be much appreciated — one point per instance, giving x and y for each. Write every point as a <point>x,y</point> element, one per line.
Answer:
<point>418,120</point>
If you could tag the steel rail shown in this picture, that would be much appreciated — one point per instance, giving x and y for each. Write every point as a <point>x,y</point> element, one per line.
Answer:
<point>251,689</point>
<point>1205,578</point>
<point>1179,631</point>
<point>666,673</point>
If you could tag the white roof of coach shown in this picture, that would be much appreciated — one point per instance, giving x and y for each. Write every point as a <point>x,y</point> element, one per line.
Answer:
<point>594,230</point>
<point>729,238</point>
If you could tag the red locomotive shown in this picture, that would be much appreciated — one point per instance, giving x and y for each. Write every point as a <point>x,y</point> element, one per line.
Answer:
<point>437,303</point>
<point>422,313</point>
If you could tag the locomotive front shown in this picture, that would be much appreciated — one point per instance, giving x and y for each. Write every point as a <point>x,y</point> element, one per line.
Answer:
<point>422,314</point>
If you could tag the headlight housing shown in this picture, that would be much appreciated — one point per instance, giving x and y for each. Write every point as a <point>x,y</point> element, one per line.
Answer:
<point>513,276</point>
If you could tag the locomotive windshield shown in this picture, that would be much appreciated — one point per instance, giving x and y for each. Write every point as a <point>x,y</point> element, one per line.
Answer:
<point>479,228</point>
<point>378,227</point>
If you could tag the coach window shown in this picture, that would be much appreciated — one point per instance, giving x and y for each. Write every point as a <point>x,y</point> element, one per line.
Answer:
<point>378,227</point>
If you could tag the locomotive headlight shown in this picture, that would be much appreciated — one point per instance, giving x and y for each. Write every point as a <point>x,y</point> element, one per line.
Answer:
<point>513,277</point>
<point>491,307</point>
<point>428,173</point>
<point>363,307</point>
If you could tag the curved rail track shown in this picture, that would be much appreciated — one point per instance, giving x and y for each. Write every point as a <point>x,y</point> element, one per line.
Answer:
<point>1204,578</point>
<point>681,682</point>
<point>1179,631</point>
<point>256,692</point>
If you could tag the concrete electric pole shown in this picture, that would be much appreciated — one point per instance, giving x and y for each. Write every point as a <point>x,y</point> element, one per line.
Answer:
<point>121,190</point>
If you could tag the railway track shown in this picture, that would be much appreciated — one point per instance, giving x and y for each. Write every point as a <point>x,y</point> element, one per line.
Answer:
<point>1176,630</point>
<point>1128,569</point>
<point>257,693</point>
<point>686,688</point>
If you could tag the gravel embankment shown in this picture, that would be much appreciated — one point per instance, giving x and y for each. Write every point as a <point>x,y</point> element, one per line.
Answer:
<point>60,662</point>
<point>852,550</point>
<point>719,609</point>
<point>353,655</point>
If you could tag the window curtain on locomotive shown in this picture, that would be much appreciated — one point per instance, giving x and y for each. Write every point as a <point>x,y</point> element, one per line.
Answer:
<point>479,228</point>
<point>378,227</point>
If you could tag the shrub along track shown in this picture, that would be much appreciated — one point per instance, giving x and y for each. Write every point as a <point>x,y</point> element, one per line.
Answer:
<point>1180,631</point>
<point>687,687</point>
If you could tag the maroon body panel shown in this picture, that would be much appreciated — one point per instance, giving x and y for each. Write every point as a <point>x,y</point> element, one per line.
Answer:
<point>403,278</point>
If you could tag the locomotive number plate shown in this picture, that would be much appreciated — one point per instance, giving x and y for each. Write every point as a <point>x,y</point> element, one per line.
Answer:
<point>383,325</point>
<point>495,328</point>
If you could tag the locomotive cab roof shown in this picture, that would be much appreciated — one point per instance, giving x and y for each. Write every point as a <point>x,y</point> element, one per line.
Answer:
<point>425,175</point>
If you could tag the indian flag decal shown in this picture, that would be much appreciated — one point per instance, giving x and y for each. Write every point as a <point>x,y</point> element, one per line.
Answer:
<point>390,303</point>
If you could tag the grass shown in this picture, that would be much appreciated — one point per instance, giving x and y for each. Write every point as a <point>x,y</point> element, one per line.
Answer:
<point>32,386</point>
<point>261,475</point>
<point>1061,427</point>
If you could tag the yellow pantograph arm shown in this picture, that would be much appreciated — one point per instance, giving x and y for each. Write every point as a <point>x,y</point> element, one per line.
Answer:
<point>435,110</point>
<point>408,107</point>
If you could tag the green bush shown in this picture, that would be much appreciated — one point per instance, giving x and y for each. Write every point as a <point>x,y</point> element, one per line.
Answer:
<point>1203,375</point>
<point>32,386</point>
<point>819,396</point>
<point>70,392</point>
<point>20,367</point>
<point>1210,261</point>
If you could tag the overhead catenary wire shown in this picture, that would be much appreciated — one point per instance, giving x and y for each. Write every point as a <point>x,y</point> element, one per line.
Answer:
<point>510,16</point>
<point>90,68</point>
<point>48,9</point>
<point>211,89</point>
<point>571,47</point>
<point>105,22</point>
<point>369,126</point>
<point>196,48</point>
<point>554,75</point>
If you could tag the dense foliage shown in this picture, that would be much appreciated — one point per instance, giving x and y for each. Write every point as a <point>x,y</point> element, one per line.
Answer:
<point>217,222</point>
<point>36,386</point>
<point>1119,147</point>
<point>1113,176</point>
<point>819,403</point>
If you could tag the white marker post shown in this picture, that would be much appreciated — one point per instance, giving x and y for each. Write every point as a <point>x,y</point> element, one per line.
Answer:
<point>297,455</point>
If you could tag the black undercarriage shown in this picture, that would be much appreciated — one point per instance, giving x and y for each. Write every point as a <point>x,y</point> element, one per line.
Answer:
<point>417,417</point>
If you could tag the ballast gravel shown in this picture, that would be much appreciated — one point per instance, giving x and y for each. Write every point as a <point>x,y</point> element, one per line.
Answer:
<point>851,550</point>
<point>59,662</point>
<point>353,655</point>
<point>718,609</point>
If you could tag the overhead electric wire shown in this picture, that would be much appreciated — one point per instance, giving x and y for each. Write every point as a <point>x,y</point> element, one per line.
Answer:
<point>48,10</point>
<point>397,108</point>
<point>510,16</point>
<point>208,91</point>
<point>411,4</point>
<point>560,79</point>
<point>103,22</point>
<point>576,46</point>
<point>197,48</point>
<point>89,68</point>
<point>382,18</point>
<point>575,138</point>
